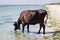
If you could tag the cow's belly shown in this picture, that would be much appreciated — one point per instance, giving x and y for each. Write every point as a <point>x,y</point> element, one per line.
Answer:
<point>35,22</point>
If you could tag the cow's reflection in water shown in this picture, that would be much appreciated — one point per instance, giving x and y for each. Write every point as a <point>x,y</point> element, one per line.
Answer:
<point>17,35</point>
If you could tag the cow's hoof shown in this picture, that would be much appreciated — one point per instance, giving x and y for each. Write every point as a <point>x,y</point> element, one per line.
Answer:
<point>22,31</point>
<point>19,28</point>
<point>28,31</point>
<point>38,32</point>
<point>44,33</point>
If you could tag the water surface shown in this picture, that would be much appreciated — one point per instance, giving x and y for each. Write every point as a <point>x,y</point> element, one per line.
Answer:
<point>10,14</point>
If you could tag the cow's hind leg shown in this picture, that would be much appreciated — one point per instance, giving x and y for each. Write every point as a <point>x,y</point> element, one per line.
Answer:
<point>43,29</point>
<point>40,28</point>
<point>27,27</point>
<point>42,25</point>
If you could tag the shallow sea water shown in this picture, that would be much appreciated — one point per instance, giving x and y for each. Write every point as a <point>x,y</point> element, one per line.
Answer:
<point>10,14</point>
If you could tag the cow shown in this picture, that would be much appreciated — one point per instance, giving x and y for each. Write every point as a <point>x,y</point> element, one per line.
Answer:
<point>32,17</point>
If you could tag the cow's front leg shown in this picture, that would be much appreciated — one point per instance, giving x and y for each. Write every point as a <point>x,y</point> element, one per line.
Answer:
<point>23,26</point>
<point>27,27</point>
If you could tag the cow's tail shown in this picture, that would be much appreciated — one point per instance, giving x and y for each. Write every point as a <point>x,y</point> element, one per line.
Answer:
<point>46,18</point>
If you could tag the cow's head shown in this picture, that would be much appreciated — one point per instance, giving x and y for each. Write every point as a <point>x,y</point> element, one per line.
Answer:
<point>16,26</point>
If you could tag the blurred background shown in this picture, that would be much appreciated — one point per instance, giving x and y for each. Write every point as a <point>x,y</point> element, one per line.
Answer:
<point>10,11</point>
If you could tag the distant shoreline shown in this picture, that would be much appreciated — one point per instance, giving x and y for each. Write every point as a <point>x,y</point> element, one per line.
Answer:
<point>30,5</point>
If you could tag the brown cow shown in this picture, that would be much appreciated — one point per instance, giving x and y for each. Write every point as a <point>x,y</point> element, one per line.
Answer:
<point>31,17</point>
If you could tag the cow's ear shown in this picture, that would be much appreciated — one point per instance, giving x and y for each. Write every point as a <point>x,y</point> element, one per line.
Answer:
<point>14,23</point>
